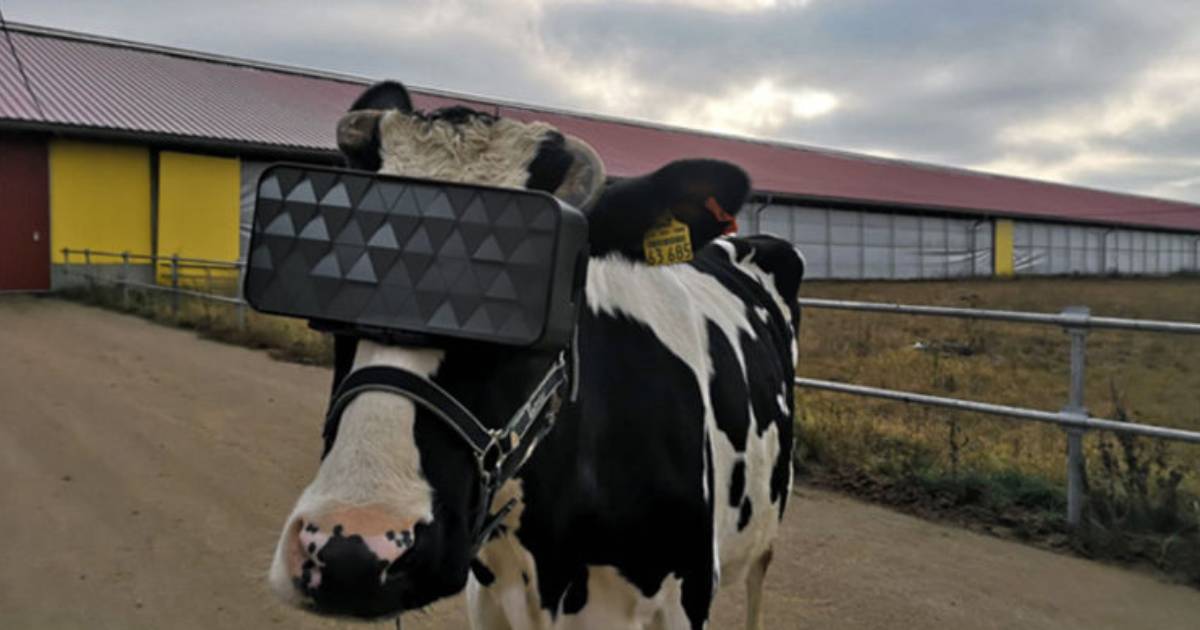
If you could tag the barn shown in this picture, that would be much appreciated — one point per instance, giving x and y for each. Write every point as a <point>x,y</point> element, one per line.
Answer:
<point>114,146</point>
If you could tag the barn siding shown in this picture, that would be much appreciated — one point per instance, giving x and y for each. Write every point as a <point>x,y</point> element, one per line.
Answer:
<point>875,244</point>
<point>24,215</point>
<point>198,206</point>
<point>1004,248</point>
<point>841,243</point>
<point>99,198</point>
<point>1057,249</point>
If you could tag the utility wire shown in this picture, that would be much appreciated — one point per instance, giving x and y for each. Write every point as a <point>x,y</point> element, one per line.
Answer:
<point>37,105</point>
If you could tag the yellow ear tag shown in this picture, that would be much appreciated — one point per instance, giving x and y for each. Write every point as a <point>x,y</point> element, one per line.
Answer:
<point>668,243</point>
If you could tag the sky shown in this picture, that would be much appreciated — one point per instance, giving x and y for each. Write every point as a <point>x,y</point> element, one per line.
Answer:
<point>1100,93</point>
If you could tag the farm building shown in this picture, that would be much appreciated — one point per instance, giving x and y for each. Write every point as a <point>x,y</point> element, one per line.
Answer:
<point>116,146</point>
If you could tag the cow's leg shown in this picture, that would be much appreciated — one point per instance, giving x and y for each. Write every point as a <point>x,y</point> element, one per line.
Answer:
<point>754,591</point>
<point>671,618</point>
<point>483,611</point>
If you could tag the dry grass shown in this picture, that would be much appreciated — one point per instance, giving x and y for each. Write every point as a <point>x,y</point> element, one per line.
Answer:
<point>284,338</point>
<point>1156,375</point>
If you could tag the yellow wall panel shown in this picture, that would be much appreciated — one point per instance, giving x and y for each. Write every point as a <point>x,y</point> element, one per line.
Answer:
<point>99,198</point>
<point>199,199</point>
<point>1003,254</point>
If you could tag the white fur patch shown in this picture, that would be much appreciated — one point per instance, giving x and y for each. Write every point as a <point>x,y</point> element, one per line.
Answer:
<point>496,153</point>
<point>614,602</point>
<point>508,603</point>
<point>374,460</point>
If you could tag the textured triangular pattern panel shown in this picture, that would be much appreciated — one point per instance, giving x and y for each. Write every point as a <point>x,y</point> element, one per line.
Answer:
<point>315,230</point>
<point>418,256</point>
<point>337,197</point>
<point>281,226</point>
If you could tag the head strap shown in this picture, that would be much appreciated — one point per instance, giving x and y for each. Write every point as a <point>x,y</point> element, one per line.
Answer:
<point>499,453</point>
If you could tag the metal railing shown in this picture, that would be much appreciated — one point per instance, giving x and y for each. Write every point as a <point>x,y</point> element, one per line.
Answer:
<point>1076,321</point>
<point>186,276</point>
<point>1074,418</point>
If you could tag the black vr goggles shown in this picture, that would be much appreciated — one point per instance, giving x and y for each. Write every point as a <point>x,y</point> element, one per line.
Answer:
<point>395,257</point>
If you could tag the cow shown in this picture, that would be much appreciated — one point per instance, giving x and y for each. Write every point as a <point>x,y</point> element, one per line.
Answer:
<point>668,467</point>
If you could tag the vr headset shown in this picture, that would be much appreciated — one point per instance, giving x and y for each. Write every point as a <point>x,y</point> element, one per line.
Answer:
<point>402,258</point>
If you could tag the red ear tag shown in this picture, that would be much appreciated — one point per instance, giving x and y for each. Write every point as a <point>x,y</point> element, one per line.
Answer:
<point>722,217</point>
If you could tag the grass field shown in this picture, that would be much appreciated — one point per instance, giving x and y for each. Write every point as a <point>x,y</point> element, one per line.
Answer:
<point>1149,377</point>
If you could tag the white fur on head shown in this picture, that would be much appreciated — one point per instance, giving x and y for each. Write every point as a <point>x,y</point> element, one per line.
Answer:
<point>494,152</point>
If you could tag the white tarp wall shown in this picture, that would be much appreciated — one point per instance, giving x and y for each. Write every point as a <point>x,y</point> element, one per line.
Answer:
<point>1056,249</point>
<point>852,244</point>
<point>880,245</point>
<point>250,172</point>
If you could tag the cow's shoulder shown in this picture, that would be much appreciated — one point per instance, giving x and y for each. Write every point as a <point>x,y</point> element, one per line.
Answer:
<point>775,256</point>
<point>763,270</point>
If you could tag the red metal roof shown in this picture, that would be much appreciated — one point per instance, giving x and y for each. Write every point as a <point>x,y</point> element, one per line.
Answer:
<point>94,83</point>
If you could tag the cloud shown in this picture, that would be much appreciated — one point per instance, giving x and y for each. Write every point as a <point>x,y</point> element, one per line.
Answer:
<point>1097,92</point>
<point>760,109</point>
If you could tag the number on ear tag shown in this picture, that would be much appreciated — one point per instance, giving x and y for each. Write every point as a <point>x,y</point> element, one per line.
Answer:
<point>668,244</point>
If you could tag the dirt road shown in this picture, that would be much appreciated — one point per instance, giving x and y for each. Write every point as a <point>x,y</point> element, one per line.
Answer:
<point>144,473</point>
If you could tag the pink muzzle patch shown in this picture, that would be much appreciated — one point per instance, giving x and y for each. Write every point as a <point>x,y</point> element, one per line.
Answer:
<point>387,547</point>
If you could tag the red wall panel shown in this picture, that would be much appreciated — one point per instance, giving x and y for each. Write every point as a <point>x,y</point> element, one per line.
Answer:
<point>24,215</point>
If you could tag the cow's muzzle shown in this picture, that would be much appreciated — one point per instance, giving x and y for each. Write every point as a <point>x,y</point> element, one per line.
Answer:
<point>344,563</point>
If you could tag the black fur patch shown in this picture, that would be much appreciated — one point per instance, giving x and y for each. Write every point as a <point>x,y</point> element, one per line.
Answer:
<point>745,514</point>
<point>576,596</point>
<point>727,389</point>
<point>457,115</point>
<point>737,484</point>
<point>549,167</point>
<point>482,574</point>
<point>384,95</point>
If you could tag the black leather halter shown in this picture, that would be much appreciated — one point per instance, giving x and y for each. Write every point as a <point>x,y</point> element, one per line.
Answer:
<point>499,453</point>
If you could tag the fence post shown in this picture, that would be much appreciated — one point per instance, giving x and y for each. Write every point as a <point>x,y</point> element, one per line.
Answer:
<point>125,279</point>
<point>1075,461</point>
<point>241,299</point>
<point>87,260</point>
<point>175,285</point>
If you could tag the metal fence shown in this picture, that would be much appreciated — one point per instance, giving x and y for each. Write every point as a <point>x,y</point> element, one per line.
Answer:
<point>214,280</point>
<point>1076,321</point>
<point>206,279</point>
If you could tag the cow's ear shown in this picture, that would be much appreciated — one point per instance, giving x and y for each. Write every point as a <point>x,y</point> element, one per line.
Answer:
<point>705,195</point>
<point>358,130</point>
<point>585,179</point>
<point>567,168</point>
<point>384,96</point>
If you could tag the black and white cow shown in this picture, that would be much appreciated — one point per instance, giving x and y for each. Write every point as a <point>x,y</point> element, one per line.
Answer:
<point>667,477</point>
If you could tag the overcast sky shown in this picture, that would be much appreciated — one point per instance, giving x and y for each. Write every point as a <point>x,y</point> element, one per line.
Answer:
<point>1103,93</point>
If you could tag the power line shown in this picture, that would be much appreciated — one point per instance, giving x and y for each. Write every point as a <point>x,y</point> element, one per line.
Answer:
<point>37,105</point>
